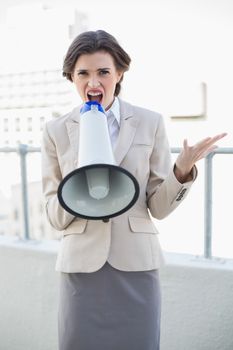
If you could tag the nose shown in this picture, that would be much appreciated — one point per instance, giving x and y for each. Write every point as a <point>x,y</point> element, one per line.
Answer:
<point>93,82</point>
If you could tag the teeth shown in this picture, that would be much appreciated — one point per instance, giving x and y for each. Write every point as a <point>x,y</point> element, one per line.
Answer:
<point>94,93</point>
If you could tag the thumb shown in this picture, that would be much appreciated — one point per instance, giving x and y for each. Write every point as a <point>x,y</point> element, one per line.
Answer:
<point>185,143</point>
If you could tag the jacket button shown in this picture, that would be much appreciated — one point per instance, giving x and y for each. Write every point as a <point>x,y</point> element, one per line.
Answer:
<point>105,220</point>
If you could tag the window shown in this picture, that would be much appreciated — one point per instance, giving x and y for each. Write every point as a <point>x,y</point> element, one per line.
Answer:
<point>5,124</point>
<point>29,122</point>
<point>17,124</point>
<point>42,121</point>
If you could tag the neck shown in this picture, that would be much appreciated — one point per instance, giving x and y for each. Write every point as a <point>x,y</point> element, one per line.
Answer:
<point>110,105</point>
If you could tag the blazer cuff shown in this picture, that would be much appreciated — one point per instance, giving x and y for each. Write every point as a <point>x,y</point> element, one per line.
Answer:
<point>193,173</point>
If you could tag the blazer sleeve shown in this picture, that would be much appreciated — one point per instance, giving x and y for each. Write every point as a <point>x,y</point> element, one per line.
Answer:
<point>164,191</point>
<point>51,178</point>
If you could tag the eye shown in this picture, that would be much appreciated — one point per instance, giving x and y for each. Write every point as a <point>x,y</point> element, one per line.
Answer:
<point>104,72</point>
<point>82,73</point>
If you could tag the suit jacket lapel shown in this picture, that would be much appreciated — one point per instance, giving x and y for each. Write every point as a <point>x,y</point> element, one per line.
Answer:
<point>72,126</point>
<point>127,131</point>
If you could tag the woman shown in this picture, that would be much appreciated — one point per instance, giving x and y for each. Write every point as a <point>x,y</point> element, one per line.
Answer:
<point>109,285</point>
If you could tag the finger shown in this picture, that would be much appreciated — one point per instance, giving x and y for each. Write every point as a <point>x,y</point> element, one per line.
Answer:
<point>209,140</point>
<point>223,134</point>
<point>203,145</point>
<point>219,137</point>
<point>205,153</point>
<point>185,143</point>
<point>202,142</point>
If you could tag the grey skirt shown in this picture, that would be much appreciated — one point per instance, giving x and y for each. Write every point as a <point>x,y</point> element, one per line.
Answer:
<point>109,310</point>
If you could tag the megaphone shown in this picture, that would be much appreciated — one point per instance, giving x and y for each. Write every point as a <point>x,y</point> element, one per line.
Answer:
<point>98,189</point>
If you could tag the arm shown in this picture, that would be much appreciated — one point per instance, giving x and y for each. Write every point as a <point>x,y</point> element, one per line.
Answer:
<point>165,189</point>
<point>51,178</point>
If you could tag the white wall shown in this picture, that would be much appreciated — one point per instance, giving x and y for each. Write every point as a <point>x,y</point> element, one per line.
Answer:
<point>28,296</point>
<point>197,309</point>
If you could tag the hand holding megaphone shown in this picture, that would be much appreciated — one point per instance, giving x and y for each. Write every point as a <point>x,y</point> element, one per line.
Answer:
<point>98,188</point>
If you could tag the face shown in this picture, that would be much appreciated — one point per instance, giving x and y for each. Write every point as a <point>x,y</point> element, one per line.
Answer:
<point>95,77</point>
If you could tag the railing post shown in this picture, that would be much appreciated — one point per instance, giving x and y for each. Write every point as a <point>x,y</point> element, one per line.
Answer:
<point>23,150</point>
<point>208,207</point>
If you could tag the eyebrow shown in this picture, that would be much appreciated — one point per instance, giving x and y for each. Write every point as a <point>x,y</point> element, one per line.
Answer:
<point>99,69</point>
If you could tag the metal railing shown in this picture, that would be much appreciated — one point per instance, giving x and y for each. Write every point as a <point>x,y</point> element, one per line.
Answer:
<point>208,196</point>
<point>23,150</point>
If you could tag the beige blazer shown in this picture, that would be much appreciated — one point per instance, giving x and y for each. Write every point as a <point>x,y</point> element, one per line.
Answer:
<point>128,242</point>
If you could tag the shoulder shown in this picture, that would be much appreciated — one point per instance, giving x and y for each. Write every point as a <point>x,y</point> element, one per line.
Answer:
<point>59,124</point>
<point>142,113</point>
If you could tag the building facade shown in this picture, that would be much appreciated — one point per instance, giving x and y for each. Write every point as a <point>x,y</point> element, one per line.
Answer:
<point>39,226</point>
<point>27,101</point>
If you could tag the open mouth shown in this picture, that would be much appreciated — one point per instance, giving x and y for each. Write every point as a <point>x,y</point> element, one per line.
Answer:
<point>95,96</point>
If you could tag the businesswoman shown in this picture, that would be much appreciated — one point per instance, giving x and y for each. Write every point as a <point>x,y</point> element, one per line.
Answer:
<point>109,271</point>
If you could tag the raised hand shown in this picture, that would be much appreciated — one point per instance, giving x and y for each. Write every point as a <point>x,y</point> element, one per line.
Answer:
<point>189,155</point>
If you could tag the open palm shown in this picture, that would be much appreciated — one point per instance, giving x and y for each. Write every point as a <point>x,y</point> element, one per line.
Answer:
<point>189,155</point>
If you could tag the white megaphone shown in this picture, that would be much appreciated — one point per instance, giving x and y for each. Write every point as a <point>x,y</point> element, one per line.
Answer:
<point>98,189</point>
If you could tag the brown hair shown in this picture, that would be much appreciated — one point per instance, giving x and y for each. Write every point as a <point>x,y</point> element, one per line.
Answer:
<point>90,42</point>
